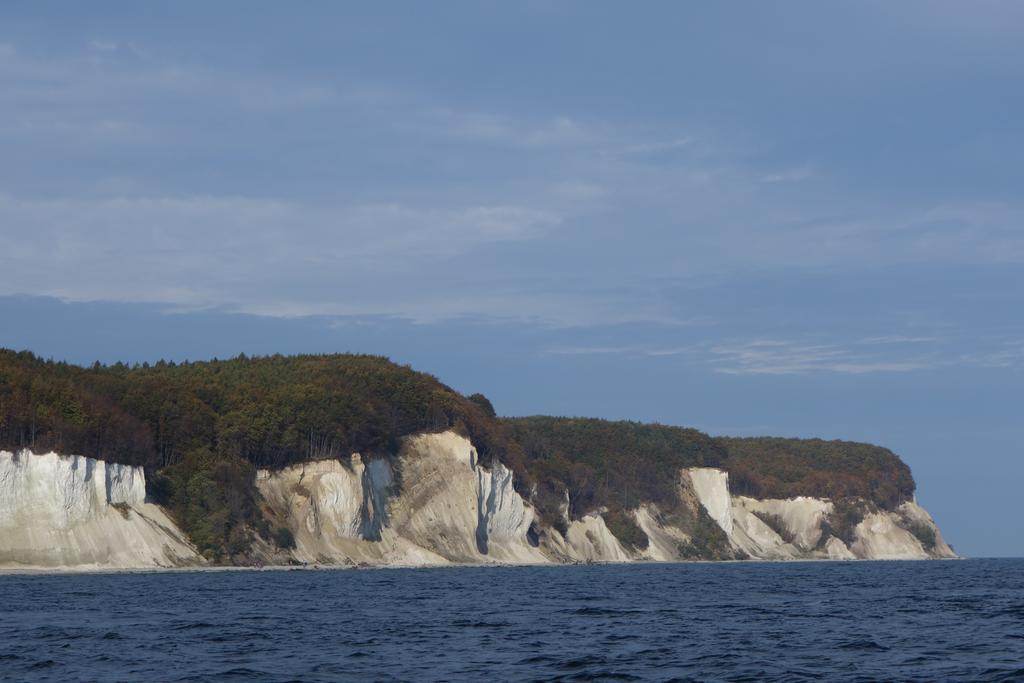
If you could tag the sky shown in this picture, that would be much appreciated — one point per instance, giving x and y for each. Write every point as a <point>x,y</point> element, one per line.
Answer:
<point>795,219</point>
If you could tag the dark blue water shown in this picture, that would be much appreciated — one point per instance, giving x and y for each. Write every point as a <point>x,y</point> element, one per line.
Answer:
<point>758,622</point>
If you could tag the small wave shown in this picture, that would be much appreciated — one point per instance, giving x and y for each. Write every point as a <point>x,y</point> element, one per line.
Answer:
<point>601,612</point>
<point>597,675</point>
<point>467,623</point>
<point>994,674</point>
<point>43,664</point>
<point>242,672</point>
<point>582,662</point>
<point>866,645</point>
<point>193,626</point>
<point>1012,611</point>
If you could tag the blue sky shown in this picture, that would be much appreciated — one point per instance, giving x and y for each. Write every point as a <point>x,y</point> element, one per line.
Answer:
<point>801,218</point>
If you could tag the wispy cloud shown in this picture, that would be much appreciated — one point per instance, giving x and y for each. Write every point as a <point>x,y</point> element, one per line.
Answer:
<point>98,45</point>
<point>792,175</point>
<point>654,150</point>
<point>779,357</point>
<point>762,356</point>
<point>589,350</point>
<point>1005,354</point>
<point>676,351</point>
<point>529,132</point>
<point>896,339</point>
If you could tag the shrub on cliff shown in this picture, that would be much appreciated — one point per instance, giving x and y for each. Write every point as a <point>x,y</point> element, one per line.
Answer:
<point>842,522</point>
<point>284,538</point>
<point>214,500</point>
<point>624,527</point>
<point>776,524</point>
<point>707,540</point>
<point>922,532</point>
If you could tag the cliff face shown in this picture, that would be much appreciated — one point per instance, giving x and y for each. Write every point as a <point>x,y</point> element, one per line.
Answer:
<point>451,509</point>
<point>76,512</point>
<point>432,503</point>
<point>801,527</point>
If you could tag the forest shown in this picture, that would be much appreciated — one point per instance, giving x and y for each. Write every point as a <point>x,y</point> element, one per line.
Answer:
<point>202,428</point>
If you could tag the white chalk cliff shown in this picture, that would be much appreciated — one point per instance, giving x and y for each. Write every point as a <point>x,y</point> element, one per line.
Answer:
<point>77,512</point>
<point>800,526</point>
<point>432,503</point>
<point>450,509</point>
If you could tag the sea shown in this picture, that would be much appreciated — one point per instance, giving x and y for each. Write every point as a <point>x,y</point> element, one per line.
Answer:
<point>802,621</point>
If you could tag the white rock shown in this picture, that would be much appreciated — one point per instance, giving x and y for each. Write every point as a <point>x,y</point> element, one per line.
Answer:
<point>712,488</point>
<point>589,540</point>
<point>59,512</point>
<point>801,515</point>
<point>757,539</point>
<point>663,541</point>
<point>914,512</point>
<point>878,537</point>
<point>450,508</point>
<point>837,550</point>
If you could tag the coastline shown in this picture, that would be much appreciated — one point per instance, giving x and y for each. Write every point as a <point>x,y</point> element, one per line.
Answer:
<point>70,571</point>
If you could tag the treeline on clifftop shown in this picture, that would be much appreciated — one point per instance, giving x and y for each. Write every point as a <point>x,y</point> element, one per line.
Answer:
<point>201,429</point>
<point>772,467</point>
<point>271,411</point>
